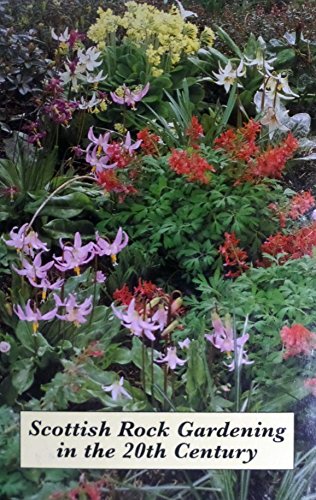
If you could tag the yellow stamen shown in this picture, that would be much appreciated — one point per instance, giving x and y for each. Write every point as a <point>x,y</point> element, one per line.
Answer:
<point>35,327</point>
<point>113,259</point>
<point>44,294</point>
<point>77,270</point>
<point>99,150</point>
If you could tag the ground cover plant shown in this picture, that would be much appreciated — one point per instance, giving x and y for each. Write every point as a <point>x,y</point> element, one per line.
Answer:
<point>154,255</point>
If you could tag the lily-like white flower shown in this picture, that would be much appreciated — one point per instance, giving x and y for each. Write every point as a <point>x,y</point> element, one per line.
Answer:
<point>172,359</point>
<point>103,247</point>
<point>63,38</point>
<point>185,13</point>
<point>274,114</point>
<point>89,59</point>
<point>117,390</point>
<point>96,78</point>
<point>229,75</point>
<point>93,102</point>
<point>74,74</point>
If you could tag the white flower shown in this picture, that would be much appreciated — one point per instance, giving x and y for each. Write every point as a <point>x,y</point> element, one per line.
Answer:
<point>228,76</point>
<point>171,358</point>
<point>274,114</point>
<point>117,390</point>
<point>185,13</point>
<point>92,103</point>
<point>96,78</point>
<point>73,76</point>
<point>278,85</point>
<point>88,59</point>
<point>263,65</point>
<point>64,37</point>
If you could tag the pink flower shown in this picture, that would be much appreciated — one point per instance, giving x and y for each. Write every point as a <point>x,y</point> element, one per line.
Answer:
<point>4,347</point>
<point>128,146</point>
<point>25,241</point>
<point>130,97</point>
<point>34,315</point>
<point>117,390</point>
<point>241,358</point>
<point>184,344</point>
<point>103,247</point>
<point>74,256</point>
<point>101,141</point>
<point>161,317</point>
<point>310,384</point>
<point>134,322</point>
<point>75,313</point>
<point>100,277</point>
<point>34,269</point>
<point>98,162</point>
<point>171,358</point>
<point>223,337</point>
<point>47,285</point>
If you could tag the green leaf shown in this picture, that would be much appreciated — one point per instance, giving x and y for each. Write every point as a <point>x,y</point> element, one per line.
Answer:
<point>23,375</point>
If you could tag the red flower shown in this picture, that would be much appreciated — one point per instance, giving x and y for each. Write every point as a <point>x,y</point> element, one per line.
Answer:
<point>234,256</point>
<point>297,340</point>
<point>149,141</point>
<point>272,162</point>
<point>293,245</point>
<point>194,132</point>
<point>310,384</point>
<point>146,289</point>
<point>123,295</point>
<point>300,204</point>
<point>192,165</point>
<point>111,183</point>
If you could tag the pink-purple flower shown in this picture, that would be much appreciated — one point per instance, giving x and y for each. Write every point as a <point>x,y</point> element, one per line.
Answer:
<point>33,315</point>
<point>103,247</point>
<point>132,320</point>
<point>25,241</point>
<point>4,347</point>
<point>172,359</point>
<point>74,312</point>
<point>74,255</point>
<point>130,97</point>
<point>35,269</point>
<point>223,336</point>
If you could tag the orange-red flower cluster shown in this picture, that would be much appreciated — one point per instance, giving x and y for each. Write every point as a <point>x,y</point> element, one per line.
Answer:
<point>241,145</point>
<point>300,204</point>
<point>149,141</point>
<point>144,290</point>
<point>272,162</point>
<point>297,340</point>
<point>293,246</point>
<point>194,132</point>
<point>111,183</point>
<point>235,257</point>
<point>192,165</point>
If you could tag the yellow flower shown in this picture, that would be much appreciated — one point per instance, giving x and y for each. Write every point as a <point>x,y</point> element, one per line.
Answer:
<point>207,37</point>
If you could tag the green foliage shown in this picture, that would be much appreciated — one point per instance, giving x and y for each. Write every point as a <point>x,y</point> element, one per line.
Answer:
<point>183,224</point>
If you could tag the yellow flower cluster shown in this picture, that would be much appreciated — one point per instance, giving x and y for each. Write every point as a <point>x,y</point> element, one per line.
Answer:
<point>105,25</point>
<point>164,36</point>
